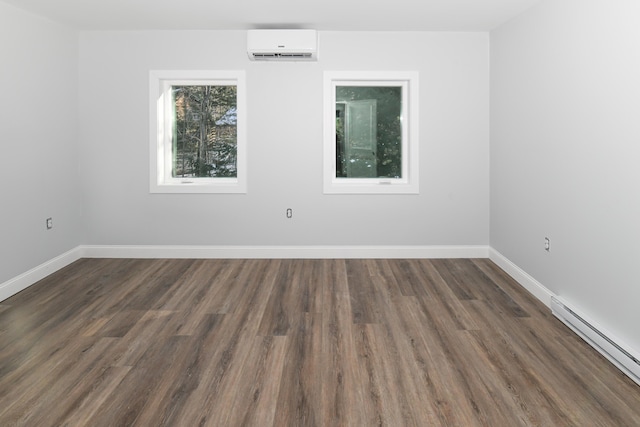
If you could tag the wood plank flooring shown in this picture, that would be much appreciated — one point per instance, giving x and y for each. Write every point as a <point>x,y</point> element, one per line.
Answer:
<point>122,342</point>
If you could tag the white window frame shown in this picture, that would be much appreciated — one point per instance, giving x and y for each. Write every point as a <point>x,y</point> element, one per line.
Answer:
<point>161,181</point>
<point>408,183</point>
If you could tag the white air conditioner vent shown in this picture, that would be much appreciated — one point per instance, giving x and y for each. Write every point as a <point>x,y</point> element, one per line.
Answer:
<point>282,45</point>
<point>274,55</point>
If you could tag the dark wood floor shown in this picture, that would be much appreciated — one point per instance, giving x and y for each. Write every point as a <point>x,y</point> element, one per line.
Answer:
<point>297,342</point>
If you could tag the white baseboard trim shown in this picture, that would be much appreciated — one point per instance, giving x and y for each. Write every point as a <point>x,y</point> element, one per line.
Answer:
<point>23,281</point>
<point>523,278</point>
<point>318,252</point>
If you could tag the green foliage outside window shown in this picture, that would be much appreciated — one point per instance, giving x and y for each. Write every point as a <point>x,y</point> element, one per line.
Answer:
<point>204,142</point>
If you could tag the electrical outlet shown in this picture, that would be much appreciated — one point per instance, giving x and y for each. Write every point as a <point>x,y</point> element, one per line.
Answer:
<point>289,213</point>
<point>546,244</point>
<point>49,223</point>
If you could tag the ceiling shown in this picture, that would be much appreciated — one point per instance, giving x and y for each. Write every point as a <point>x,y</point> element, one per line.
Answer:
<point>362,15</point>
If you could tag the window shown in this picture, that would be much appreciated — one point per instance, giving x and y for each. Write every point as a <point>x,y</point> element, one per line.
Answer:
<point>371,132</point>
<point>197,132</point>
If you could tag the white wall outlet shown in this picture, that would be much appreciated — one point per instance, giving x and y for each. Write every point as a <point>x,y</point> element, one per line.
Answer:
<point>546,244</point>
<point>49,223</point>
<point>289,213</point>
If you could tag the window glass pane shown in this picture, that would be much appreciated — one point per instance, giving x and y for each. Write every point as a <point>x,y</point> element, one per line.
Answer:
<point>204,140</point>
<point>368,132</point>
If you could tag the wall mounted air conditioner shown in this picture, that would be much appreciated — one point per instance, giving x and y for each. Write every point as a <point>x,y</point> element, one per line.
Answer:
<point>282,45</point>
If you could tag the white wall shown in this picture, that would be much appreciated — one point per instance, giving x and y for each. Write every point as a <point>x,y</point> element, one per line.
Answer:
<point>38,122</point>
<point>285,144</point>
<point>565,153</point>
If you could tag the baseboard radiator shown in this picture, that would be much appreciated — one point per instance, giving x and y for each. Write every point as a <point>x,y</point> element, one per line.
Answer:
<point>602,341</point>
